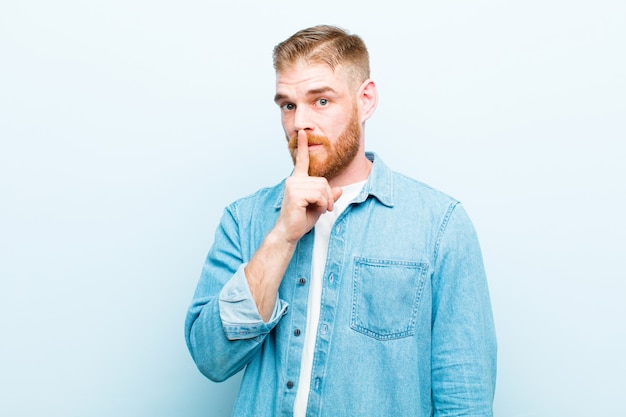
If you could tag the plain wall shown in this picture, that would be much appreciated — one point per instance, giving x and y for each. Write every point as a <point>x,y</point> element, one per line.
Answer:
<point>127,126</point>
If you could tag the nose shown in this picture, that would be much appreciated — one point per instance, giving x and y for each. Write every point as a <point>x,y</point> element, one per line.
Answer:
<point>302,119</point>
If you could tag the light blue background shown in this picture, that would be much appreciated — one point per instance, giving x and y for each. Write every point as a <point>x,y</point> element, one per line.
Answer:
<point>126,126</point>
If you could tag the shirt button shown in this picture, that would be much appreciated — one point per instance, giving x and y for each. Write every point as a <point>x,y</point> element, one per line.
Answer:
<point>290,384</point>
<point>302,281</point>
<point>296,332</point>
<point>331,278</point>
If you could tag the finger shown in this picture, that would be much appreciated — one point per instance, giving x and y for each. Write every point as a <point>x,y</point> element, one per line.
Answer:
<point>335,194</point>
<point>302,157</point>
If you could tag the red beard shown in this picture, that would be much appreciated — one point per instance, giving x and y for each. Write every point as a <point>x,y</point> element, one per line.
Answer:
<point>333,158</point>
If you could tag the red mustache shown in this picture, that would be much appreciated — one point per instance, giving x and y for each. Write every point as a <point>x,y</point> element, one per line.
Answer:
<point>313,140</point>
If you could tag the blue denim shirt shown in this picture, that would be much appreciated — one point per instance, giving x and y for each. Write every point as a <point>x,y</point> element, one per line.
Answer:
<point>405,325</point>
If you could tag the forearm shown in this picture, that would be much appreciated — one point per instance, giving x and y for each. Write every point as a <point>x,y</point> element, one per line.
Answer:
<point>266,269</point>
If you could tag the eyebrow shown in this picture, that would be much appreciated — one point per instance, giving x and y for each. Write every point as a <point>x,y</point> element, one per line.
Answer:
<point>313,92</point>
<point>279,97</point>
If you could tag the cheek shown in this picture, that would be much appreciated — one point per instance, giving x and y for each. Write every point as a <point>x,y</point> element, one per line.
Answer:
<point>285,120</point>
<point>336,129</point>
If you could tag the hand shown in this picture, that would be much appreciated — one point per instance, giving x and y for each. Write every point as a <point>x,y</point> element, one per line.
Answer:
<point>306,198</point>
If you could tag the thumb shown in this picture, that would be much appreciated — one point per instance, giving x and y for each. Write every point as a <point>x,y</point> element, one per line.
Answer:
<point>337,191</point>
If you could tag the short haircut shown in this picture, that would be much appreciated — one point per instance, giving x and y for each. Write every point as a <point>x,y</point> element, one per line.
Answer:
<point>325,44</point>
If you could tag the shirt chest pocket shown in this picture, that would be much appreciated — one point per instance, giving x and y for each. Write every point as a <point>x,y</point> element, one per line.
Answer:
<point>386,296</point>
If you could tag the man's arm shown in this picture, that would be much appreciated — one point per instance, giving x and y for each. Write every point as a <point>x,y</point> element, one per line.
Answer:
<point>463,333</point>
<point>236,304</point>
<point>306,199</point>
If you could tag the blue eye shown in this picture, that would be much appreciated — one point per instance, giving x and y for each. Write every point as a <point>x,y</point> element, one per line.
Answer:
<point>322,101</point>
<point>289,106</point>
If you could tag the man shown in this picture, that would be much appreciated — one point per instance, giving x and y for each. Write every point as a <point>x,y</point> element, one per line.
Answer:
<point>347,289</point>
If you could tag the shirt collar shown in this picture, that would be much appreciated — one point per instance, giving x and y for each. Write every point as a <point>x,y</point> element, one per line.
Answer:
<point>379,184</point>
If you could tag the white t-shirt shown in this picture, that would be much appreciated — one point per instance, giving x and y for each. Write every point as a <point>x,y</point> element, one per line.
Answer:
<point>323,228</point>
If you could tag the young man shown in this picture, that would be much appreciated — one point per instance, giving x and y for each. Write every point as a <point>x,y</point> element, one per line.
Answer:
<point>347,289</point>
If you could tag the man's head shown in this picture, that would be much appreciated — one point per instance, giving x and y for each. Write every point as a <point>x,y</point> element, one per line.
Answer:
<point>328,45</point>
<point>323,88</point>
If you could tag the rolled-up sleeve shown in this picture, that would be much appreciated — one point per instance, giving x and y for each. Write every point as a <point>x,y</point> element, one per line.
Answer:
<point>239,313</point>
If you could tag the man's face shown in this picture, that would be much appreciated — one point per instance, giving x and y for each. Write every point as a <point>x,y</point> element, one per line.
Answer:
<point>319,101</point>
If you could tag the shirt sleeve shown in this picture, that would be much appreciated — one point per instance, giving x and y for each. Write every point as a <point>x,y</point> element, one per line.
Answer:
<point>463,332</point>
<point>239,313</point>
<point>223,329</point>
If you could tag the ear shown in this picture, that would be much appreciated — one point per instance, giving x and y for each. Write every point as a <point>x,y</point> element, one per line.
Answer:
<point>367,99</point>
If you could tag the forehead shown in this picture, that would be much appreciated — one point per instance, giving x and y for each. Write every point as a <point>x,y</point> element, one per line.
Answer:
<point>303,76</point>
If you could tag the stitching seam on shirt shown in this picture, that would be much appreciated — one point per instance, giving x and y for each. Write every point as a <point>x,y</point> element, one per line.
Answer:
<point>442,229</point>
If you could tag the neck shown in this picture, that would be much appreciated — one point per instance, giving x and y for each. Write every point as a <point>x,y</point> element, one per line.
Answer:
<point>358,170</point>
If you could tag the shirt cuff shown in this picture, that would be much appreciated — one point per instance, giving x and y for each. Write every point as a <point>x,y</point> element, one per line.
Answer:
<point>239,313</point>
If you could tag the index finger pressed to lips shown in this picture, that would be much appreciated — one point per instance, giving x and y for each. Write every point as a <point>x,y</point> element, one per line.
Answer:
<point>302,157</point>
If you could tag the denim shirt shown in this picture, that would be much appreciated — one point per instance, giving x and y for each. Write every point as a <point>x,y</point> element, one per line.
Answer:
<point>405,326</point>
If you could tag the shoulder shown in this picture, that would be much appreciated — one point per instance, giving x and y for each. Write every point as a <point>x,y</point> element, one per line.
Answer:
<point>431,205</point>
<point>396,189</point>
<point>262,199</point>
<point>420,190</point>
